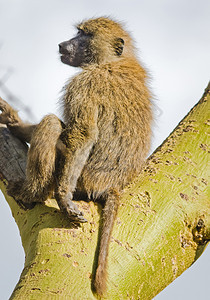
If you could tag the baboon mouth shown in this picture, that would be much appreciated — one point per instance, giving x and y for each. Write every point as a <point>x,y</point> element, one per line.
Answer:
<point>65,58</point>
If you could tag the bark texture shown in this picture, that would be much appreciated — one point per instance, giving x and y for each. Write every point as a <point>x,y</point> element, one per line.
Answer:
<point>162,227</point>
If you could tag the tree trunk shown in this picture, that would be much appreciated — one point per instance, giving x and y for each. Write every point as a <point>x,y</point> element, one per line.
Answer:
<point>162,227</point>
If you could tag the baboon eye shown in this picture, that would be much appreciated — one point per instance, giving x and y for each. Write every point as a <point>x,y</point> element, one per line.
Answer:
<point>80,31</point>
<point>83,33</point>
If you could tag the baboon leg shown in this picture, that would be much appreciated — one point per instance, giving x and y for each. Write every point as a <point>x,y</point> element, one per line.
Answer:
<point>41,161</point>
<point>109,214</point>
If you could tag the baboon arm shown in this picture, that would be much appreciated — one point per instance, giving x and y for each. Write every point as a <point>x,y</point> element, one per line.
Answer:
<point>79,145</point>
<point>10,117</point>
<point>79,141</point>
<point>23,131</point>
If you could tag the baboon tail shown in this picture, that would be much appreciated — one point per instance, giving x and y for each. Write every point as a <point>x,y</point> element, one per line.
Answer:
<point>108,217</point>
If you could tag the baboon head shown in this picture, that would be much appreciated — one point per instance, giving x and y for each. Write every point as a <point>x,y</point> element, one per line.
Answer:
<point>98,41</point>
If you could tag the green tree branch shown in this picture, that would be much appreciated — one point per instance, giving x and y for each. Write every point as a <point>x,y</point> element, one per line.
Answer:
<point>162,227</point>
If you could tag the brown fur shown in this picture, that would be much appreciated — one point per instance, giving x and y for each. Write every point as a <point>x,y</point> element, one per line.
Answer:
<point>107,116</point>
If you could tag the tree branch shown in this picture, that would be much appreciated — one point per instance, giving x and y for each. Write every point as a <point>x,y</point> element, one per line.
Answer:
<point>163,224</point>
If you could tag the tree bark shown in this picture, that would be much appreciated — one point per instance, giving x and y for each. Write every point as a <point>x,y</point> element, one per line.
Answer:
<point>162,227</point>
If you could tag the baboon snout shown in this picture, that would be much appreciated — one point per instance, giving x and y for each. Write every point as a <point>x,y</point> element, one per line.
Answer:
<point>67,47</point>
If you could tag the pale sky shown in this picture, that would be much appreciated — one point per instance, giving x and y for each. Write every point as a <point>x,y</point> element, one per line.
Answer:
<point>173,42</point>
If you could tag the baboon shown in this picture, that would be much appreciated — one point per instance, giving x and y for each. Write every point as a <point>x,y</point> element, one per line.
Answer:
<point>101,144</point>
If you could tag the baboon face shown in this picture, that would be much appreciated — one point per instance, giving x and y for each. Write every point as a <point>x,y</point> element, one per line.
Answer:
<point>75,52</point>
<point>98,41</point>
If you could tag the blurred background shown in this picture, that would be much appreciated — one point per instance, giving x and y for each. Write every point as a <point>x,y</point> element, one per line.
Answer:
<point>172,38</point>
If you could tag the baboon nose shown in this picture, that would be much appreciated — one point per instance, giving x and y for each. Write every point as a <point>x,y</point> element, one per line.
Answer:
<point>61,48</point>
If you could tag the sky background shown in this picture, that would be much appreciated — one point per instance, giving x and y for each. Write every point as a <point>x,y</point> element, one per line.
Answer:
<point>172,38</point>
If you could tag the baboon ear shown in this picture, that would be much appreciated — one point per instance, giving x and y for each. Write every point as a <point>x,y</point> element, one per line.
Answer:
<point>118,46</point>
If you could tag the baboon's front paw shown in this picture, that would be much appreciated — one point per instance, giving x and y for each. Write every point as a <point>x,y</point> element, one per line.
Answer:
<point>8,114</point>
<point>72,210</point>
<point>74,213</point>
